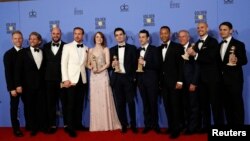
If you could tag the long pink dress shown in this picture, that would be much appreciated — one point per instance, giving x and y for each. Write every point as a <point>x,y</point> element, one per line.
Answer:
<point>103,116</point>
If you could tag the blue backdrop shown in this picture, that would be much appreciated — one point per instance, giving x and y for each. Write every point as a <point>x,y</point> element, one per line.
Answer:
<point>101,15</point>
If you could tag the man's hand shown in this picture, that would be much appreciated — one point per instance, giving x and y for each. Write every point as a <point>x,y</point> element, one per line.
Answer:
<point>13,93</point>
<point>192,87</point>
<point>178,86</point>
<point>191,51</point>
<point>19,89</point>
<point>67,84</point>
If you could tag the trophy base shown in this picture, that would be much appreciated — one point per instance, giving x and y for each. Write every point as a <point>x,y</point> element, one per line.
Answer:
<point>185,57</point>
<point>230,64</point>
<point>139,71</point>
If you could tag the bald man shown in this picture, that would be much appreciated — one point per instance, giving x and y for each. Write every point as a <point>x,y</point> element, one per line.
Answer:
<point>207,54</point>
<point>52,58</point>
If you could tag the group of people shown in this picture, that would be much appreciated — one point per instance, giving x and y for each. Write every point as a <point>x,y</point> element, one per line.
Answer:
<point>192,78</point>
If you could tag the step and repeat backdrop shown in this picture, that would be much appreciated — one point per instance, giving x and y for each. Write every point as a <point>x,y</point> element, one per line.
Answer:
<point>105,16</point>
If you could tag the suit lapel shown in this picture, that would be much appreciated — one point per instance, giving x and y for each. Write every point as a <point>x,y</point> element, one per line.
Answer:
<point>31,57</point>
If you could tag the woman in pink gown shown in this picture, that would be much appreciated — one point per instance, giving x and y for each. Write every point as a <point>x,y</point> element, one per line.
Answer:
<point>103,116</point>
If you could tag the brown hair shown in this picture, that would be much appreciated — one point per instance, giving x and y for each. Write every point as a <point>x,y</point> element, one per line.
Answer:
<point>104,42</point>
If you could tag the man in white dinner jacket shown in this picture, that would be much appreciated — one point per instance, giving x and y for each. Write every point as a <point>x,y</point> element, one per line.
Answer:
<point>74,58</point>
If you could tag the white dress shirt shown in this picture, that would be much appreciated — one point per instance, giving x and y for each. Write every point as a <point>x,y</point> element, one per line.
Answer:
<point>121,52</point>
<point>224,46</point>
<point>38,56</point>
<point>164,50</point>
<point>55,48</point>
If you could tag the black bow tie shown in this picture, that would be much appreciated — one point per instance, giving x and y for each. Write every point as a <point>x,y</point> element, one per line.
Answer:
<point>36,49</point>
<point>164,45</point>
<point>201,41</point>
<point>55,44</point>
<point>224,41</point>
<point>79,45</point>
<point>121,46</point>
<point>142,48</point>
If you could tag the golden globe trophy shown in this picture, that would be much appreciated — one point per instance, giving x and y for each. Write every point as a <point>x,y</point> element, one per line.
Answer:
<point>186,55</point>
<point>116,67</point>
<point>94,63</point>
<point>140,66</point>
<point>232,57</point>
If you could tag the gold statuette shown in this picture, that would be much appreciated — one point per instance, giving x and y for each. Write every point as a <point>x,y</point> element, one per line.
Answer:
<point>232,57</point>
<point>116,67</point>
<point>186,55</point>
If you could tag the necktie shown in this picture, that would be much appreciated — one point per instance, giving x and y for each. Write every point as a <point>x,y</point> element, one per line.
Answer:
<point>201,41</point>
<point>55,44</point>
<point>79,45</point>
<point>164,45</point>
<point>36,49</point>
<point>224,41</point>
<point>121,46</point>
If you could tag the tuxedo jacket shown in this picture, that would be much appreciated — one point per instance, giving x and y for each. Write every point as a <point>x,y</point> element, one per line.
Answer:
<point>72,65</point>
<point>234,74</point>
<point>52,62</point>
<point>172,66</point>
<point>27,74</point>
<point>209,60</point>
<point>191,70</point>
<point>9,60</point>
<point>130,61</point>
<point>152,66</point>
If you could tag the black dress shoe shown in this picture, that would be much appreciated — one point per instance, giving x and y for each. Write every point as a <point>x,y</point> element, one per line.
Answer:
<point>157,130</point>
<point>52,130</point>
<point>168,131</point>
<point>124,129</point>
<point>146,130</point>
<point>71,133</point>
<point>18,133</point>
<point>33,133</point>
<point>188,132</point>
<point>134,129</point>
<point>174,135</point>
<point>81,128</point>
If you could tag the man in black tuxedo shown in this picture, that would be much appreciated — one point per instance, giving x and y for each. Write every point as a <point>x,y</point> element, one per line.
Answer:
<point>171,80</point>
<point>29,80</point>
<point>9,60</point>
<point>190,83</point>
<point>148,81</point>
<point>123,82</point>
<point>232,51</point>
<point>52,59</point>
<point>207,54</point>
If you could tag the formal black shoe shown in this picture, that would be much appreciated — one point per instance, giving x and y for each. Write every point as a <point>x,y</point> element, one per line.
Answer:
<point>145,130</point>
<point>124,130</point>
<point>202,131</point>
<point>81,128</point>
<point>188,132</point>
<point>168,131</point>
<point>51,130</point>
<point>33,133</point>
<point>18,133</point>
<point>134,129</point>
<point>174,135</point>
<point>157,130</point>
<point>71,133</point>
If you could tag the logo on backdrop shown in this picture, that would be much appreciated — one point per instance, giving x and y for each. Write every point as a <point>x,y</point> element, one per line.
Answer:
<point>53,24</point>
<point>228,1</point>
<point>32,14</point>
<point>174,4</point>
<point>149,20</point>
<point>10,27</point>
<point>124,8</point>
<point>200,16</point>
<point>100,23</point>
<point>78,11</point>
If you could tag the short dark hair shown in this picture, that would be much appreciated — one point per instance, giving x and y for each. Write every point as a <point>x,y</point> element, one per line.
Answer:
<point>144,31</point>
<point>119,29</point>
<point>228,24</point>
<point>165,27</point>
<point>104,43</point>
<point>17,32</point>
<point>79,28</point>
<point>39,37</point>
